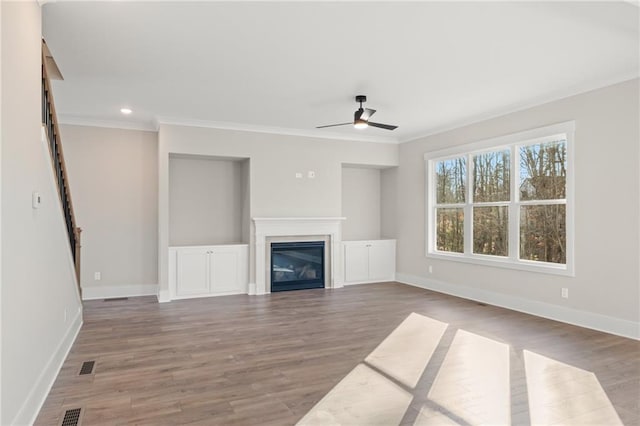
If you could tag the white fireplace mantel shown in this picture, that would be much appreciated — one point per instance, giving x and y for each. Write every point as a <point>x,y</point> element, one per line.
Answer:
<point>266,227</point>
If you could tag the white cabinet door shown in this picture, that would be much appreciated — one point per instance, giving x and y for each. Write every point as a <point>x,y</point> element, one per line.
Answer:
<point>356,262</point>
<point>382,260</point>
<point>224,271</point>
<point>369,261</point>
<point>208,270</point>
<point>193,272</point>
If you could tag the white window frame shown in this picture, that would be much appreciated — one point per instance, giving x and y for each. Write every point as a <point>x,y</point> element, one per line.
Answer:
<point>511,142</point>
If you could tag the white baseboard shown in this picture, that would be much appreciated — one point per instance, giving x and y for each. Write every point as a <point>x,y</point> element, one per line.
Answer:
<point>380,280</point>
<point>164,296</point>
<point>109,291</point>
<point>362,282</point>
<point>31,407</point>
<point>620,327</point>
<point>203,296</point>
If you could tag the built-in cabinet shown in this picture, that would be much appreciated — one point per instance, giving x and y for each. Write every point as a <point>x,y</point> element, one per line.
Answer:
<point>369,261</point>
<point>201,271</point>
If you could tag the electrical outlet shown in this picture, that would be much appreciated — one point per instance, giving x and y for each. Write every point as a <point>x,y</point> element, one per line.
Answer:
<point>565,293</point>
<point>311,174</point>
<point>97,276</point>
<point>431,269</point>
<point>298,175</point>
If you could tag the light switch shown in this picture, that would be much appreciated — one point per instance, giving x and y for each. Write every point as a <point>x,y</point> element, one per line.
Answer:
<point>36,200</point>
<point>311,174</point>
<point>298,175</point>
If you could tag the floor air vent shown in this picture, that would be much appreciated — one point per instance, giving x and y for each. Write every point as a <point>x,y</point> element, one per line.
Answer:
<point>87,367</point>
<point>71,417</point>
<point>116,299</point>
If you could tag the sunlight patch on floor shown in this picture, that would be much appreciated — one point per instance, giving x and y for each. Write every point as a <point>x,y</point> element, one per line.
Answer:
<point>472,385</point>
<point>405,353</point>
<point>473,381</point>
<point>364,397</point>
<point>563,394</point>
<point>430,417</point>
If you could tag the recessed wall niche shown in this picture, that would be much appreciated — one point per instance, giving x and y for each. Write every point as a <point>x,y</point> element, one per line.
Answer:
<point>208,200</point>
<point>368,202</point>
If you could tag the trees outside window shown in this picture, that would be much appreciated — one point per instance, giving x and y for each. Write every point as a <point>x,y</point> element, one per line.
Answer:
<point>451,177</point>
<point>507,203</point>
<point>543,194</point>
<point>491,195</point>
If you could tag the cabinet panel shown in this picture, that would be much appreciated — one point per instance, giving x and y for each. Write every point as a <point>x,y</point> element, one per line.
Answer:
<point>381,261</point>
<point>224,271</point>
<point>356,262</point>
<point>369,261</point>
<point>193,272</point>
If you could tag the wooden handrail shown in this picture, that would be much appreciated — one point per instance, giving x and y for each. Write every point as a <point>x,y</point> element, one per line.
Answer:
<point>50,122</point>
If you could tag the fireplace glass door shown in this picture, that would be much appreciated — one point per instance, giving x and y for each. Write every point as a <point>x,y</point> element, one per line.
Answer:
<point>297,265</point>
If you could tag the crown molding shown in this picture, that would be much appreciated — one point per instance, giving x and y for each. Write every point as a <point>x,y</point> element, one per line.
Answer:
<point>174,121</point>
<point>499,112</point>
<point>154,125</point>
<point>78,120</point>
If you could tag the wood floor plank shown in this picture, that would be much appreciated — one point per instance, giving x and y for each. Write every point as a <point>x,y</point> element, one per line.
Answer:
<point>269,360</point>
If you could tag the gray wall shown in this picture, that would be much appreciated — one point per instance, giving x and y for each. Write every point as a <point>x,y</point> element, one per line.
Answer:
<point>361,203</point>
<point>114,179</point>
<point>246,201</point>
<point>41,309</point>
<point>607,191</point>
<point>206,198</point>
<point>389,202</point>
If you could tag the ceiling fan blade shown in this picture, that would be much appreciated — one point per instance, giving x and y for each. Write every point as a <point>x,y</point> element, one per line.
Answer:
<point>334,125</point>
<point>367,113</point>
<point>383,126</point>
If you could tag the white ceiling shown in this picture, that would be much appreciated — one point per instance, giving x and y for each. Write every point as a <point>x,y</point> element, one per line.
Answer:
<point>290,66</point>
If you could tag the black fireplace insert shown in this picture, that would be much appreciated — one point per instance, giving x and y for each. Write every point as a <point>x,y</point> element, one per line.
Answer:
<point>297,265</point>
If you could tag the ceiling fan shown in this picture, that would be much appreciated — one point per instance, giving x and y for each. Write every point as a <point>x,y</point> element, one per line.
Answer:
<point>361,118</point>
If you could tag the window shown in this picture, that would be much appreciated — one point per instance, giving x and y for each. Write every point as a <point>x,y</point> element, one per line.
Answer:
<point>505,201</point>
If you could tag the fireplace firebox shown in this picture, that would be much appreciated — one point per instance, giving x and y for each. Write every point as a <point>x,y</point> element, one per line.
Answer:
<point>297,265</point>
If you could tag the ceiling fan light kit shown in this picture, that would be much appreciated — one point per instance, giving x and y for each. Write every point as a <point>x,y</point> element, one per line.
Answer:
<point>360,124</point>
<point>361,118</point>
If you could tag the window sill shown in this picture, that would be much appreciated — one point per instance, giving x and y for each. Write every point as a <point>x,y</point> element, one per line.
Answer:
<point>498,262</point>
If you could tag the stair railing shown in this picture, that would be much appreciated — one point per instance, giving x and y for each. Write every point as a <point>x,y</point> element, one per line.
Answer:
<point>50,123</point>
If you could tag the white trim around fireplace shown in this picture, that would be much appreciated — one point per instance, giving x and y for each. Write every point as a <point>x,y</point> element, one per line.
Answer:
<point>266,227</point>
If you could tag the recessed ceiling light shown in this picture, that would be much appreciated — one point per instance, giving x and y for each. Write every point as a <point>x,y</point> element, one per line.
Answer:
<point>125,110</point>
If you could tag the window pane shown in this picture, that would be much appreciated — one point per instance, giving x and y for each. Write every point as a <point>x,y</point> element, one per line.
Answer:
<point>543,233</point>
<point>543,171</point>
<point>451,176</point>
<point>490,230</point>
<point>450,230</point>
<point>491,176</point>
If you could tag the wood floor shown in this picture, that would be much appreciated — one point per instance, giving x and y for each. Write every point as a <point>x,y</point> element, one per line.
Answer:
<point>359,355</point>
